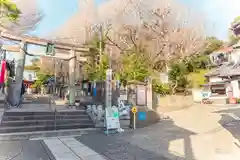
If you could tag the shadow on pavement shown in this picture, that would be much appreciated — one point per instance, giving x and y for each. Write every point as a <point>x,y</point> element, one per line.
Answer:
<point>150,143</point>
<point>230,120</point>
<point>23,150</point>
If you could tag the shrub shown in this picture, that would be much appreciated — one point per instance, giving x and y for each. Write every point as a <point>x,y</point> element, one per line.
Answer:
<point>162,89</point>
<point>178,77</point>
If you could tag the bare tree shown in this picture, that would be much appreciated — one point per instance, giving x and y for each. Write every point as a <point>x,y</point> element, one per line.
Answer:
<point>158,35</point>
<point>28,19</point>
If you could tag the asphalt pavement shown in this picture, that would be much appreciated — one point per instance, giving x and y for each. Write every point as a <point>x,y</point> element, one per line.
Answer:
<point>23,150</point>
<point>92,146</point>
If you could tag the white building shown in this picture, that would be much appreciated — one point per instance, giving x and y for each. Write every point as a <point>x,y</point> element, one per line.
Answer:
<point>29,75</point>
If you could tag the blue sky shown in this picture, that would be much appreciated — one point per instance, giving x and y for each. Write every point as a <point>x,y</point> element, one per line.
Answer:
<point>56,12</point>
<point>217,13</point>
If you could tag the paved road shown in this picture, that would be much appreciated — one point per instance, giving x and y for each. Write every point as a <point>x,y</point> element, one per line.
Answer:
<point>65,148</point>
<point>23,150</point>
<point>202,133</point>
<point>121,147</point>
<point>92,146</point>
<point>217,131</point>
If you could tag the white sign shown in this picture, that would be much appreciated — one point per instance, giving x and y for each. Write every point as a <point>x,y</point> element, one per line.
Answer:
<point>108,88</point>
<point>141,95</point>
<point>112,118</point>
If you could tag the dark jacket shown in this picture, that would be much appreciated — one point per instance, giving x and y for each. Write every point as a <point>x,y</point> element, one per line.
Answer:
<point>23,89</point>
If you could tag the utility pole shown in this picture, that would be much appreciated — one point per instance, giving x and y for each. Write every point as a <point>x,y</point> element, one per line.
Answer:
<point>100,44</point>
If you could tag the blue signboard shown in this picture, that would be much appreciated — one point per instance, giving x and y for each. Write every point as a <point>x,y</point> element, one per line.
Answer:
<point>94,92</point>
<point>94,89</point>
<point>142,116</point>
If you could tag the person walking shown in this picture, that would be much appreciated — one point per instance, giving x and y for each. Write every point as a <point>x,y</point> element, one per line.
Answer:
<point>23,90</point>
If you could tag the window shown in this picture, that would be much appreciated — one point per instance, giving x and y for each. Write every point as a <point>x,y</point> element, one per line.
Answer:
<point>218,89</point>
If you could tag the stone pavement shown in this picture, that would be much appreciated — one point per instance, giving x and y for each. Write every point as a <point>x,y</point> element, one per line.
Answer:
<point>200,132</point>
<point>23,150</point>
<point>70,149</point>
<point>62,148</point>
<point>124,146</point>
<point>216,131</point>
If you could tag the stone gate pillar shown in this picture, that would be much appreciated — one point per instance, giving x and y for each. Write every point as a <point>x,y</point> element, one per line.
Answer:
<point>72,77</point>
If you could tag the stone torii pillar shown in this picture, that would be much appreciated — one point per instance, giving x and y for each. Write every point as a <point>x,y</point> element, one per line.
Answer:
<point>20,63</point>
<point>15,86</point>
<point>72,78</point>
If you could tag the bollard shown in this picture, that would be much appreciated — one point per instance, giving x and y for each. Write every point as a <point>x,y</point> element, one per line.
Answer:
<point>89,109</point>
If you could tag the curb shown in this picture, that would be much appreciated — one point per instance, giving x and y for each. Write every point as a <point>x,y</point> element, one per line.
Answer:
<point>44,134</point>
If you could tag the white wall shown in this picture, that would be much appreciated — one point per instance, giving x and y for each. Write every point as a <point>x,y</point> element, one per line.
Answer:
<point>215,79</point>
<point>236,92</point>
<point>29,75</point>
<point>235,56</point>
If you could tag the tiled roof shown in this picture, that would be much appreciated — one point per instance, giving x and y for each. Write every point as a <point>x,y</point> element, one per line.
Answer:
<point>224,50</point>
<point>225,70</point>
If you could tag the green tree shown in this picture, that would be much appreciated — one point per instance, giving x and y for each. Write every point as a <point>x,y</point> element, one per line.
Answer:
<point>196,62</point>
<point>94,69</point>
<point>134,67</point>
<point>41,79</point>
<point>233,40</point>
<point>178,77</point>
<point>212,44</point>
<point>34,66</point>
<point>9,10</point>
<point>232,37</point>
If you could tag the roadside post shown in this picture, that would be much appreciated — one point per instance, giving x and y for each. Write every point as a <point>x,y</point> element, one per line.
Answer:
<point>134,111</point>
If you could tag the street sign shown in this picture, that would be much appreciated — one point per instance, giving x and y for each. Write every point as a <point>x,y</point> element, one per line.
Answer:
<point>108,88</point>
<point>111,120</point>
<point>134,110</point>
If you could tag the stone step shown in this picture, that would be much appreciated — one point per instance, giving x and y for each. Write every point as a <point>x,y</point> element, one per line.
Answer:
<point>72,121</point>
<point>62,115</point>
<point>9,113</point>
<point>74,126</point>
<point>44,122</point>
<point>27,123</point>
<point>76,112</point>
<point>14,129</point>
<point>83,116</point>
<point>35,117</point>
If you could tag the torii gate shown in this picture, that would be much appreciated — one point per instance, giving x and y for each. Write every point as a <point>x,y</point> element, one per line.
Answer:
<point>22,50</point>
